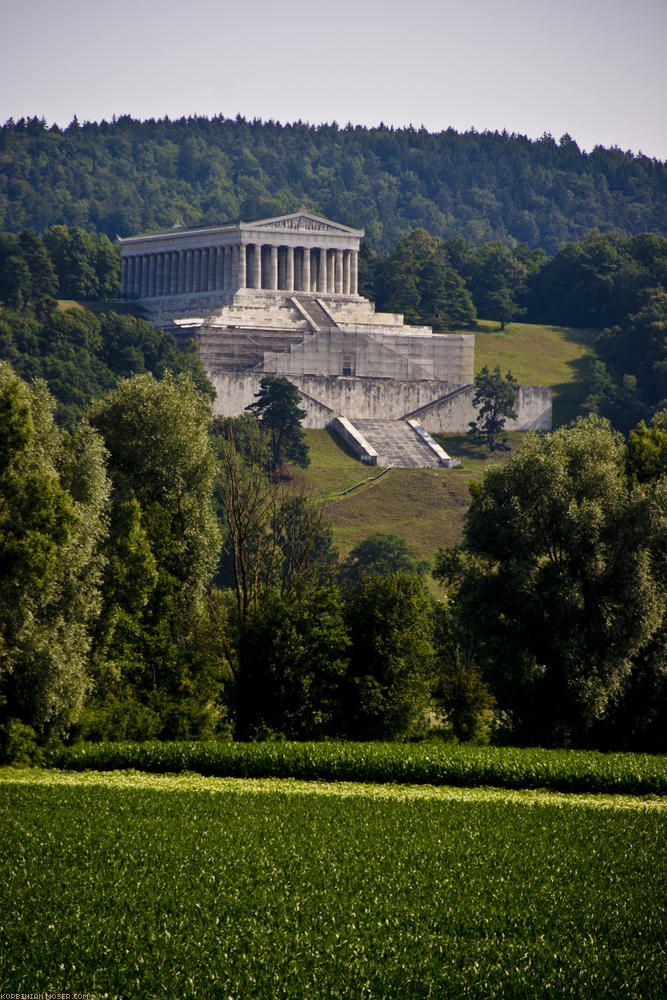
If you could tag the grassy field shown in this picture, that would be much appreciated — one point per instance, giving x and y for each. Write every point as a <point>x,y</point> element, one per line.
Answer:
<point>143,886</point>
<point>424,506</point>
<point>539,355</point>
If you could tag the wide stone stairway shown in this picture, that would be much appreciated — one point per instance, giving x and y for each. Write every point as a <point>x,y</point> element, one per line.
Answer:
<point>318,317</point>
<point>397,443</point>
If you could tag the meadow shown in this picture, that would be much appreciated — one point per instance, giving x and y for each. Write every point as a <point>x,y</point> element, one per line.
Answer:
<point>139,886</point>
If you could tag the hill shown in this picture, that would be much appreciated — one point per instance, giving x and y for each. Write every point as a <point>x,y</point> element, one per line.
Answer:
<point>426,507</point>
<point>126,176</point>
<point>540,354</point>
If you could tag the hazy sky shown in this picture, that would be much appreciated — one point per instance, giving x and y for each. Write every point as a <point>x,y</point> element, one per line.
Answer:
<point>594,68</point>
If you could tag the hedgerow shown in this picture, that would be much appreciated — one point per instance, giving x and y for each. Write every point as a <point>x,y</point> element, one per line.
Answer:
<point>436,764</point>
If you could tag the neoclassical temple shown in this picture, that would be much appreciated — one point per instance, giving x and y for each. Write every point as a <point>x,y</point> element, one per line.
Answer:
<point>298,252</point>
<point>280,296</point>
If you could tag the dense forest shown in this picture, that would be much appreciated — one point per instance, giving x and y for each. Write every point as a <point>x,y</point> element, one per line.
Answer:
<point>127,176</point>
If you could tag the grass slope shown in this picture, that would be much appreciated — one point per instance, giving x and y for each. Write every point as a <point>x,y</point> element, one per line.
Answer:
<point>427,506</point>
<point>424,506</point>
<point>540,355</point>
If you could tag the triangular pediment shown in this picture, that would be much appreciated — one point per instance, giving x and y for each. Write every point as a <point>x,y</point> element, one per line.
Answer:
<point>303,221</point>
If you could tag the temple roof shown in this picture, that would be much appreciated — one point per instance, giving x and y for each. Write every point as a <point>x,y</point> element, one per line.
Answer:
<point>302,221</point>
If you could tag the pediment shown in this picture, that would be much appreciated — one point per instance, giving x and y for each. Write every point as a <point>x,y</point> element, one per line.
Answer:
<point>303,221</point>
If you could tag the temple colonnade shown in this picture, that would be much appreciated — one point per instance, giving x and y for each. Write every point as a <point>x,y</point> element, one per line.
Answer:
<point>236,266</point>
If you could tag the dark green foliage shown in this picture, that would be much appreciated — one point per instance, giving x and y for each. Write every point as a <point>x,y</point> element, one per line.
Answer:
<point>81,356</point>
<point>399,763</point>
<point>460,691</point>
<point>19,744</point>
<point>159,671</point>
<point>87,264</point>
<point>293,653</point>
<point>494,398</point>
<point>28,279</point>
<point>497,282</point>
<point>128,176</point>
<point>567,590</point>
<point>381,554</point>
<point>54,493</point>
<point>278,411</point>
<point>416,279</point>
<point>646,451</point>
<point>388,683</point>
<point>618,285</point>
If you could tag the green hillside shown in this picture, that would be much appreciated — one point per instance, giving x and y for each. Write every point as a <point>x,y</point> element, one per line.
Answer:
<point>424,506</point>
<point>427,506</point>
<point>128,176</point>
<point>539,354</point>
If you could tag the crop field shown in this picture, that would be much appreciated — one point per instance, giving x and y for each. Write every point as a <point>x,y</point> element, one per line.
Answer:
<point>139,886</point>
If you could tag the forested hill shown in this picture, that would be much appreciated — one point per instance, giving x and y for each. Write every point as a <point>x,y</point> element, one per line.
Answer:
<point>126,176</point>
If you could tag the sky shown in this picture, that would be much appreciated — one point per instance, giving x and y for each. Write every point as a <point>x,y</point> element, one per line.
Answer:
<point>595,69</point>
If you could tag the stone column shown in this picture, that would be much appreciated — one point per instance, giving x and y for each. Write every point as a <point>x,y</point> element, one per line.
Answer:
<point>354,273</point>
<point>257,266</point>
<point>338,275</point>
<point>347,254</point>
<point>123,276</point>
<point>159,273</point>
<point>227,267</point>
<point>166,274</point>
<point>202,270</point>
<point>242,277</point>
<point>305,270</point>
<point>331,271</point>
<point>196,270</point>
<point>188,271</point>
<point>137,277</point>
<point>322,271</point>
<point>218,280</point>
<point>180,273</point>
<point>273,268</point>
<point>289,270</point>
<point>151,275</point>
<point>173,272</point>
<point>144,276</point>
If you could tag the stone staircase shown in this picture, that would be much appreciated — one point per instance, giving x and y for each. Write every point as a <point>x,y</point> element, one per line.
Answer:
<point>318,317</point>
<point>399,444</point>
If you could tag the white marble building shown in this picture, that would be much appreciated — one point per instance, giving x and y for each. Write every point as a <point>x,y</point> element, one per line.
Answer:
<point>280,296</point>
<point>298,252</point>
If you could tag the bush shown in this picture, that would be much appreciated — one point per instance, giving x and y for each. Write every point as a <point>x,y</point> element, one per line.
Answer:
<point>18,744</point>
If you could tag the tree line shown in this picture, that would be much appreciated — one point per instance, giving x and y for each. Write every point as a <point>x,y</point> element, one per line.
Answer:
<point>127,176</point>
<point>163,579</point>
<point>613,283</point>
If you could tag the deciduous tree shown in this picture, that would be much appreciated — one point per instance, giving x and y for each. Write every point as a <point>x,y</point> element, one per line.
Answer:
<point>567,588</point>
<point>54,492</point>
